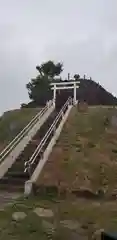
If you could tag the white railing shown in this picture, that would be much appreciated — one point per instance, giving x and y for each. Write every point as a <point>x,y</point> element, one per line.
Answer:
<point>28,164</point>
<point>24,132</point>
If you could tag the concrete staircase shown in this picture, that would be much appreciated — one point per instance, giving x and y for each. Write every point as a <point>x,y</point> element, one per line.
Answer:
<point>15,177</point>
<point>30,162</point>
<point>9,155</point>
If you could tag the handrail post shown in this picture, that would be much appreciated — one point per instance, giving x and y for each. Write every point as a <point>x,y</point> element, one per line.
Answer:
<point>47,104</point>
<point>62,114</point>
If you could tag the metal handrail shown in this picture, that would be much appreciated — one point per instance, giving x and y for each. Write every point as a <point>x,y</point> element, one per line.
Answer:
<point>38,150</point>
<point>19,137</point>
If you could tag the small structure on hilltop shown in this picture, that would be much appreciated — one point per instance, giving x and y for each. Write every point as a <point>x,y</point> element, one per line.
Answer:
<point>82,106</point>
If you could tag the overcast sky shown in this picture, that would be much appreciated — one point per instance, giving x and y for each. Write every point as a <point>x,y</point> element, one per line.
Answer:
<point>80,33</point>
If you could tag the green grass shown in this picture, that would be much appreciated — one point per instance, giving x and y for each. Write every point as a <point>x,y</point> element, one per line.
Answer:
<point>12,122</point>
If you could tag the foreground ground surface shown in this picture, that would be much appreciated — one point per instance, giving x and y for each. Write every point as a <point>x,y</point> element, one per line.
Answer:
<point>73,219</point>
<point>83,160</point>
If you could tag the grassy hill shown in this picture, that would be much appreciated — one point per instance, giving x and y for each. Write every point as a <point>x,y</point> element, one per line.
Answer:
<point>83,162</point>
<point>90,91</point>
<point>12,122</point>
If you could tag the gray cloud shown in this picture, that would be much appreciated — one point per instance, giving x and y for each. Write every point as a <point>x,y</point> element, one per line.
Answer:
<point>83,34</point>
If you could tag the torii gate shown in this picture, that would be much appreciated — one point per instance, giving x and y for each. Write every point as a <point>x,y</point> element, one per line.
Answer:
<point>65,85</point>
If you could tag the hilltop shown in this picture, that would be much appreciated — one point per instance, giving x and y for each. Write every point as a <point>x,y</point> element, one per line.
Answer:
<point>94,93</point>
<point>90,91</point>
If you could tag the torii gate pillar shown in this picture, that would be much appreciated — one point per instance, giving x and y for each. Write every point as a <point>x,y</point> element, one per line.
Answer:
<point>75,101</point>
<point>54,93</point>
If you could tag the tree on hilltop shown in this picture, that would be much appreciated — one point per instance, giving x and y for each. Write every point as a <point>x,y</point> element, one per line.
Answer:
<point>39,88</point>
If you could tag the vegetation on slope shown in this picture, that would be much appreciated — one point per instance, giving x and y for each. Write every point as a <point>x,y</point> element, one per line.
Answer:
<point>12,122</point>
<point>85,156</point>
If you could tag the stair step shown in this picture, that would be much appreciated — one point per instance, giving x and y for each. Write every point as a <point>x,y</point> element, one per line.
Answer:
<point>35,142</point>
<point>17,174</point>
<point>11,188</point>
<point>15,178</point>
<point>10,180</point>
<point>15,169</point>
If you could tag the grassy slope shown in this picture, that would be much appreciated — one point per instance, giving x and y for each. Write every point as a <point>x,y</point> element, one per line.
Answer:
<point>85,155</point>
<point>12,122</point>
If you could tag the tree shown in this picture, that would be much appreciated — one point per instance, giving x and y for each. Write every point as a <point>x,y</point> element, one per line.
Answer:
<point>39,88</point>
<point>77,77</point>
<point>50,69</point>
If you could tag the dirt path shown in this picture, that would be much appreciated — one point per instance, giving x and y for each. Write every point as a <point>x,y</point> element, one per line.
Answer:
<point>7,198</point>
